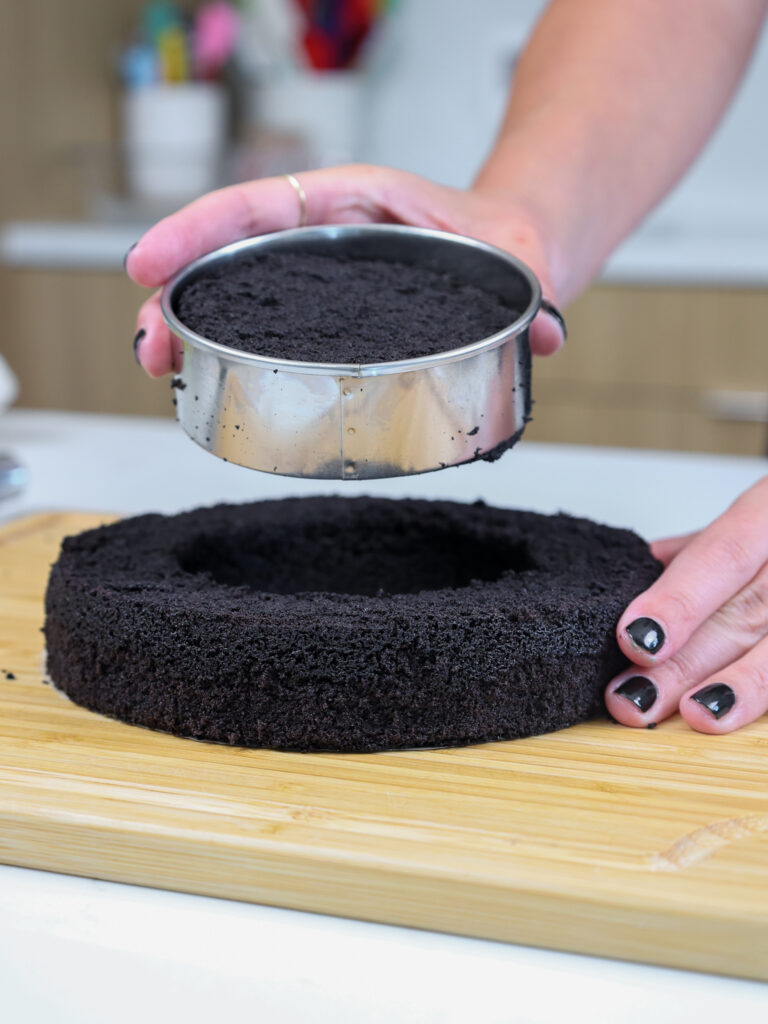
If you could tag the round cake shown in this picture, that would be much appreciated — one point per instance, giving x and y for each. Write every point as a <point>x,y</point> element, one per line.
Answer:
<point>343,624</point>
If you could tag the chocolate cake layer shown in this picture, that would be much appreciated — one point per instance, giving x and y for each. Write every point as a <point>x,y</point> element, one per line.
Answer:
<point>326,309</point>
<point>343,624</point>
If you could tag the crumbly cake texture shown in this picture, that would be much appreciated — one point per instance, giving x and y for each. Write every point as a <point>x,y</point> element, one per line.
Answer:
<point>343,624</point>
<point>327,309</point>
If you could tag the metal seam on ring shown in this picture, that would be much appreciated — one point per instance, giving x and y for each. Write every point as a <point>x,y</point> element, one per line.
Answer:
<point>296,185</point>
<point>554,312</point>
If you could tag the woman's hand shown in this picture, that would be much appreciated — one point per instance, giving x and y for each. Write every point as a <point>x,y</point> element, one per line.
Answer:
<point>699,636</point>
<point>357,194</point>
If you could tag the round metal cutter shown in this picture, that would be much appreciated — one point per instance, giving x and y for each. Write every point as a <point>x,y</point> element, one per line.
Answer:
<point>356,422</point>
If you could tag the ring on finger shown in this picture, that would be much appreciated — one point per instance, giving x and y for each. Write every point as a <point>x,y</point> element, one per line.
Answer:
<point>298,188</point>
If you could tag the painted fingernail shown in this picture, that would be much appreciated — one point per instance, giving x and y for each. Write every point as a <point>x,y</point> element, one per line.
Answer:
<point>136,342</point>
<point>639,691</point>
<point>128,252</point>
<point>718,698</point>
<point>646,634</point>
<point>552,311</point>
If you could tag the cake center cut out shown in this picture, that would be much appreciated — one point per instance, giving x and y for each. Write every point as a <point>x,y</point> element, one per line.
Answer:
<point>355,558</point>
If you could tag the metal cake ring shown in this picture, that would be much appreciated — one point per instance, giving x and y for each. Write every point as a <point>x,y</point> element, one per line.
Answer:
<point>351,421</point>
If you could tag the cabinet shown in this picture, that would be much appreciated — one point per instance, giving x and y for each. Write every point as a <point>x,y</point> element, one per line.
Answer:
<point>657,367</point>
<point>646,367</point>
<point>68,337</point>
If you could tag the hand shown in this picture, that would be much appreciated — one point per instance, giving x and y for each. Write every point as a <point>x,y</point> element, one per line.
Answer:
<point>699,636</point>
<point>357,194</point>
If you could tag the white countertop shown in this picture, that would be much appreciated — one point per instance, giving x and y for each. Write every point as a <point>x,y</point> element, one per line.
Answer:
<point>69,945</point>
<point>132,464</point>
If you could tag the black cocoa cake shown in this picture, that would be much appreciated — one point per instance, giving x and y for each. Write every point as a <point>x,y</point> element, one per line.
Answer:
<point>332,309</point>
<point>343,624</point>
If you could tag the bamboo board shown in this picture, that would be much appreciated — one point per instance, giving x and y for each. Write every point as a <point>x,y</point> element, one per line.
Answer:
<point>643,845</point>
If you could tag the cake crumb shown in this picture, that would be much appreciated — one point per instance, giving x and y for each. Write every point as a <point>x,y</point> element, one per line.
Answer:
<point>322,308</point>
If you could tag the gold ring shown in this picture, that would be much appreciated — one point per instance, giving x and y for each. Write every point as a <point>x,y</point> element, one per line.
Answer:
<point>295,184</point>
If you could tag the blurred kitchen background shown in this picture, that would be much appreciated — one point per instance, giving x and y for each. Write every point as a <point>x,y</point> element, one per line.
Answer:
<point>114,113</point>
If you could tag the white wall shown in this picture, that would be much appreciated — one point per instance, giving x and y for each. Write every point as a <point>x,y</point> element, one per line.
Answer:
<point>440,77</point>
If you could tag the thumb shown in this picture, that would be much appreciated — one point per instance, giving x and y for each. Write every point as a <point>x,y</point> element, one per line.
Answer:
<point>548,330</point>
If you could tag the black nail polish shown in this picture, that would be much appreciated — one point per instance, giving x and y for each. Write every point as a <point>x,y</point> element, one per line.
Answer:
<point>646,634</point>
<point>139,335</point>
<point>551,309</point>
<point>128,252</point>
<point>718,698</point>
<point>639,690</point>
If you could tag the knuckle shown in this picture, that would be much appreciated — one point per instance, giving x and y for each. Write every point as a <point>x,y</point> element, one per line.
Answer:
<point>365,173</point>
<point>681,607</point>
<point>731,552</point>
<point>747,611</point>
<point>244,196</point>
<point>681,671</point>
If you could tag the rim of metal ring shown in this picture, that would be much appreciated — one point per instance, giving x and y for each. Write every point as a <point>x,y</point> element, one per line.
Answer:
<point>344,369</point>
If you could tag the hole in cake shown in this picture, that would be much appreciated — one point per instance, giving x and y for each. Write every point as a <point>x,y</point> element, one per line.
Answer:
<point>355,558</point>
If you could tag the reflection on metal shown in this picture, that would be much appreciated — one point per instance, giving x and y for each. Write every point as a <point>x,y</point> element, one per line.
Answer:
<point>13,476</point>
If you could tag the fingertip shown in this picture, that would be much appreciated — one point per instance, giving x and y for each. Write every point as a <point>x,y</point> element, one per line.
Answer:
<point>156,353</point>
<point>140,266</point>
<point>644,640</point>
<point>138,338</point>
<point>622,712</point>
<point>714,709</point>
<point>639,658</point>
<point>156,350</point>
<point>699,719</point>
<point>547,334</point>
<point>143,267</point>
<point>164,248</point>
<point>127,257</point>
<point>630,700</point>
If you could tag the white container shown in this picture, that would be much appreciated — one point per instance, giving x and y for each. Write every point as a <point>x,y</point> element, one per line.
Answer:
<point>324,108</point>
<point>173,138</point>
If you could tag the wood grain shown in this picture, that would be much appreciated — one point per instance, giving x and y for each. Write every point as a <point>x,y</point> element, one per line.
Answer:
<point>630,375</point>
<point>639,361</point>
<point>68,337</point>
<point>649,846</point>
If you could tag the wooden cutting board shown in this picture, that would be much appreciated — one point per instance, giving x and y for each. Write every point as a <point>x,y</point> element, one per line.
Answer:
<point>643,845</point>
